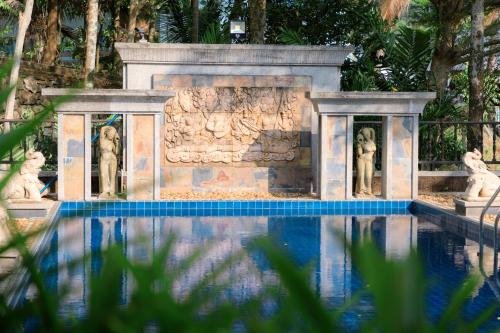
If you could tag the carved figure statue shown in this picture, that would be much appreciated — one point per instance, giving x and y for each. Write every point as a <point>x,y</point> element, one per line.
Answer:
<point>481,183</point>
<point>25,184</point>
<point>109,147</point>
<point>365,168</point>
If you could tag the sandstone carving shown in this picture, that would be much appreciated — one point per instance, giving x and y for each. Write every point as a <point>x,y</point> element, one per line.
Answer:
<point>204,125</point>
<point>109,147</point>
<point>25,184</point>
<point>481,183</point>
<point>365,163</point>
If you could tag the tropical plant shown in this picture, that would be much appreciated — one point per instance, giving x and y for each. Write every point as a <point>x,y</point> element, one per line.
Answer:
<point>291,37</point>
<point>24,19</point>
<point>408,54</point>
<point>215,35</point>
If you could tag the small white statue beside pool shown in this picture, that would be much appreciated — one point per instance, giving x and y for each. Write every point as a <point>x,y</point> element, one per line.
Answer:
<point>481,183</point>
<point>25,184</point>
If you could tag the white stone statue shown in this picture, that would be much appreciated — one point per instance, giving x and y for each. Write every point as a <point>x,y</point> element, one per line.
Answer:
<point>109,147</point>
<point>365,163</point>
<point>25,184</point>
<point>481,183</point>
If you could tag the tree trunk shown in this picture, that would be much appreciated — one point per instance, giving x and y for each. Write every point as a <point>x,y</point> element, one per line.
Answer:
<point>442,61</point>
<point>116,32</point>
<point>257,18</point>
<point>50,54</point>
<point>132,20</point>
<point>195,31</point>
<point>24,22</point>
<point>91,42</point>
<point>476,71</point>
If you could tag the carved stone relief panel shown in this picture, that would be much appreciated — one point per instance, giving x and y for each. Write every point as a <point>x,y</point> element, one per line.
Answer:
<point>210,125</point>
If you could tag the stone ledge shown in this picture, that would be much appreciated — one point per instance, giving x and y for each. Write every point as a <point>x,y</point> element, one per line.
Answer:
<point>103,93</point>
<point>473,208</point>
<point>162,81</point>
<point>29,208</point>
<point>229,54</point>
<point>371,103</point>
<point>360,95</point>
<point>111,100</point>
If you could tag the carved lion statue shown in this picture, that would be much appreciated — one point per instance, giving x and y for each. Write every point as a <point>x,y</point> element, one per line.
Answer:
<point>25,184</point>
<point>481,183</point>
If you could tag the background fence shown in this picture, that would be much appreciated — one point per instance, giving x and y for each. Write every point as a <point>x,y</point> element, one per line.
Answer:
<point>442,143</point>
<point>44,139</point>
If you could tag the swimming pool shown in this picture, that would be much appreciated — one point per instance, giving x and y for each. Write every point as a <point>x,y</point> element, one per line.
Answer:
<point>303,228</point>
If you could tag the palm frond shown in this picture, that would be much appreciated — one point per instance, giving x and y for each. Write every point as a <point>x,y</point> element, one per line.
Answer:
<point>290,37</point>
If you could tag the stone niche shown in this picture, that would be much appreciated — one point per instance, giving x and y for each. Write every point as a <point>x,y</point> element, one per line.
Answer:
<point>236,133</point>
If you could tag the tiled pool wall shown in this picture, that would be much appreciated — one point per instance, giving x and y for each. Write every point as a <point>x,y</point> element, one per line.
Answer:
<point>450,221</point>
<point>234,208</point>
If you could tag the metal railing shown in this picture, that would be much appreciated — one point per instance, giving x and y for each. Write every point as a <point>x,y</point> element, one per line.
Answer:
<point>44,139</point>
<point>493,281</point>
<point>443,143</point>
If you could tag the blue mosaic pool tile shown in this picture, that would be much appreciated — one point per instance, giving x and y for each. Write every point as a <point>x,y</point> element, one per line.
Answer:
<point>234,208</point>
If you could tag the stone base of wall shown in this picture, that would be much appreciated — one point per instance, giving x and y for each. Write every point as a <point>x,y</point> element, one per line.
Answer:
<point>442,183</point>
<point>236,179</point>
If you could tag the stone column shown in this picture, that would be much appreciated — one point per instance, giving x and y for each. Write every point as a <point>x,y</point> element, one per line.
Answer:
<point>402,157</point>
<point>71,159</point>
<point>143,157</point>
<point>336,157</point>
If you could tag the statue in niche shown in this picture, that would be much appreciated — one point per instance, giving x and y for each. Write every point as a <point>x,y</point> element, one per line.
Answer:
<point>481,183</point>
<point>24,184</point>
<point>109,147</point>
<point>365,163</point>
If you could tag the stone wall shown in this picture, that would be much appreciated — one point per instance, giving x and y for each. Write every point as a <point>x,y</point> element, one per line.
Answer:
<point>236,133</point>
<point>34,77</point>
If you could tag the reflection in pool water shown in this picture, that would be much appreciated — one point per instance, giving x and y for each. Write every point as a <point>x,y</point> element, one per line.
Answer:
<point>318,240</point>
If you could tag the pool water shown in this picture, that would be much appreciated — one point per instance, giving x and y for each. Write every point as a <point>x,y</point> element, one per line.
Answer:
<point>314,240</point>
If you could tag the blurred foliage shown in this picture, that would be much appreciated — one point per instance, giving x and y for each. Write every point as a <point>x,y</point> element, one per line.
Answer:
<point>397,288</point>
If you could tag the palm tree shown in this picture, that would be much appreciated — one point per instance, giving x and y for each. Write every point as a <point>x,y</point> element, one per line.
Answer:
<point>91,42</point>
<point>195,29</point>
<point>476,71</point>
<point>257,18</point>
<point>132,19</point>
<point>50,50</point>
<point>24,19</point>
